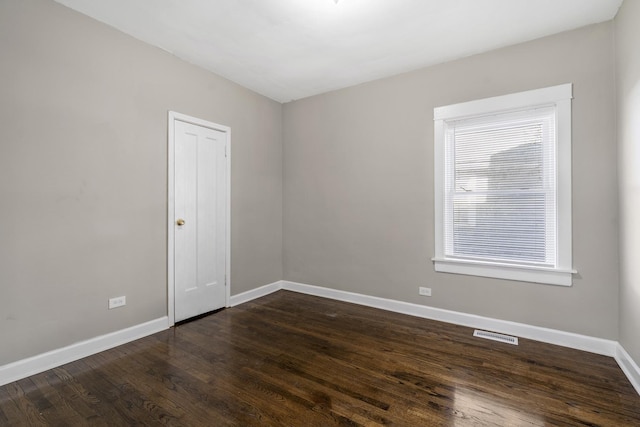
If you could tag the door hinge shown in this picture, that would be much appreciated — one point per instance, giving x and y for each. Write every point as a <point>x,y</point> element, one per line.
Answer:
<point>225,151</point>
<point>225,280</point>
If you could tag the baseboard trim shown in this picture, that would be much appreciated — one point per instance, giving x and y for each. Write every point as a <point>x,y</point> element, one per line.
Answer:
<point>628,366</point>
<point>255,293</point>
<point>34,365</point>
<point>42,362</point>
<point>551,336</point>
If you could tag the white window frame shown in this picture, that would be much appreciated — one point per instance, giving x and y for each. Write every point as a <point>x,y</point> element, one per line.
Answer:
<point>556,96</point>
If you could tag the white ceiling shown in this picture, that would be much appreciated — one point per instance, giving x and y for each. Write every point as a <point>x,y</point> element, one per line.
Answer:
<point>291,49</point>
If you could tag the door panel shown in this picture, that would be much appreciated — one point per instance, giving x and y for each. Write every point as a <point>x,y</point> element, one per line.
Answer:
<point>200,201</point>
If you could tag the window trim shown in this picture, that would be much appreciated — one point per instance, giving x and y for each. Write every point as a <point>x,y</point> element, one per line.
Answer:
<point>559,96</point>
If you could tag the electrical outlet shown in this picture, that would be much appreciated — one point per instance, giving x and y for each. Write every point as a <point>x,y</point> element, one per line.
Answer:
<point>426,292</point>
<point>117,302</point>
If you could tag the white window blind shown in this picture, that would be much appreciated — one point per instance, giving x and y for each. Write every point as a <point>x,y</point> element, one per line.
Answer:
<point>500,188</point>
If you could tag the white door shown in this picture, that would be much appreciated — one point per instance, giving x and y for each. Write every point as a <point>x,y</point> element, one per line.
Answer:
<point>199,219</point>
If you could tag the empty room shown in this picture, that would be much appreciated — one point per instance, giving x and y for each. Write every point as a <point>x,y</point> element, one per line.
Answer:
<point>320,212</point>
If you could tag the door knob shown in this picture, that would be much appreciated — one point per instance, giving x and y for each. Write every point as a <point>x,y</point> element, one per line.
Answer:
<point>180,221</point>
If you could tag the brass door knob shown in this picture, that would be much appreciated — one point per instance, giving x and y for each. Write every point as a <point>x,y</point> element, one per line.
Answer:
<point>180,221</point>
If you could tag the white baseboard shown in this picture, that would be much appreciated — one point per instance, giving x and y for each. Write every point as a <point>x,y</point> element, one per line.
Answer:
<point>628,366</point>
<point>551,336</point>
<point>33,365</point>
<point>42,362</point>
<point>255,293</point>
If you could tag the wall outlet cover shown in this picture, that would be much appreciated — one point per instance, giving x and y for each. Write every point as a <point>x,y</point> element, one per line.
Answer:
<point>424,291</point>
<point>117,302</point>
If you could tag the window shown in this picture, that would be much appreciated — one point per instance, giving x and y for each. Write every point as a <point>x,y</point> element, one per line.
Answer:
<point>503,187</point>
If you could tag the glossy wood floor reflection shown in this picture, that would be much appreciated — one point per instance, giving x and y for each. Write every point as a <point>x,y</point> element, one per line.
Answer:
<point>295,360</point>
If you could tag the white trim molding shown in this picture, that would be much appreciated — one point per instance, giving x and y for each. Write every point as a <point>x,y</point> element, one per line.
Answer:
<point>551,336</point>
<point>255,293</point>
<point>628,366</point>
<point>518,100</point>
<point>34,365</point>
<point>537,333</point>
<point>548,276</point>
<point>42,362</point>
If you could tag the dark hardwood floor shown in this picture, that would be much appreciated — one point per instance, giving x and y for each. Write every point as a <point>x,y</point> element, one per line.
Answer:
<point>295,360</point>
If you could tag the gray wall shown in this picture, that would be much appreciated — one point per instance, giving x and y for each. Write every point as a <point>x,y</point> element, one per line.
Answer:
<point>83,176</point>
<point>358,184</point>
<point>628,82</point>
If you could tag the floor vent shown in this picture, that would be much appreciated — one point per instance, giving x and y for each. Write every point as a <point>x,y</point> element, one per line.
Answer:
<point>496,337</point>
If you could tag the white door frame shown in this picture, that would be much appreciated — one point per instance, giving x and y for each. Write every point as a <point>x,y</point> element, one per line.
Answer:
<point>173,116</point>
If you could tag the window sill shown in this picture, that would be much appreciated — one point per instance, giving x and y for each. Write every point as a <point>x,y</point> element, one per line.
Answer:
<point>548,276</point>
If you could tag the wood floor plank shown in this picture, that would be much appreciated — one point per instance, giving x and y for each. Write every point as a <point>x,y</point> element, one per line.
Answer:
<point>289,359</point>
<point>9,409</point>
<point>179,384</point>
<point>27,409</point>
<point>116,399</point>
